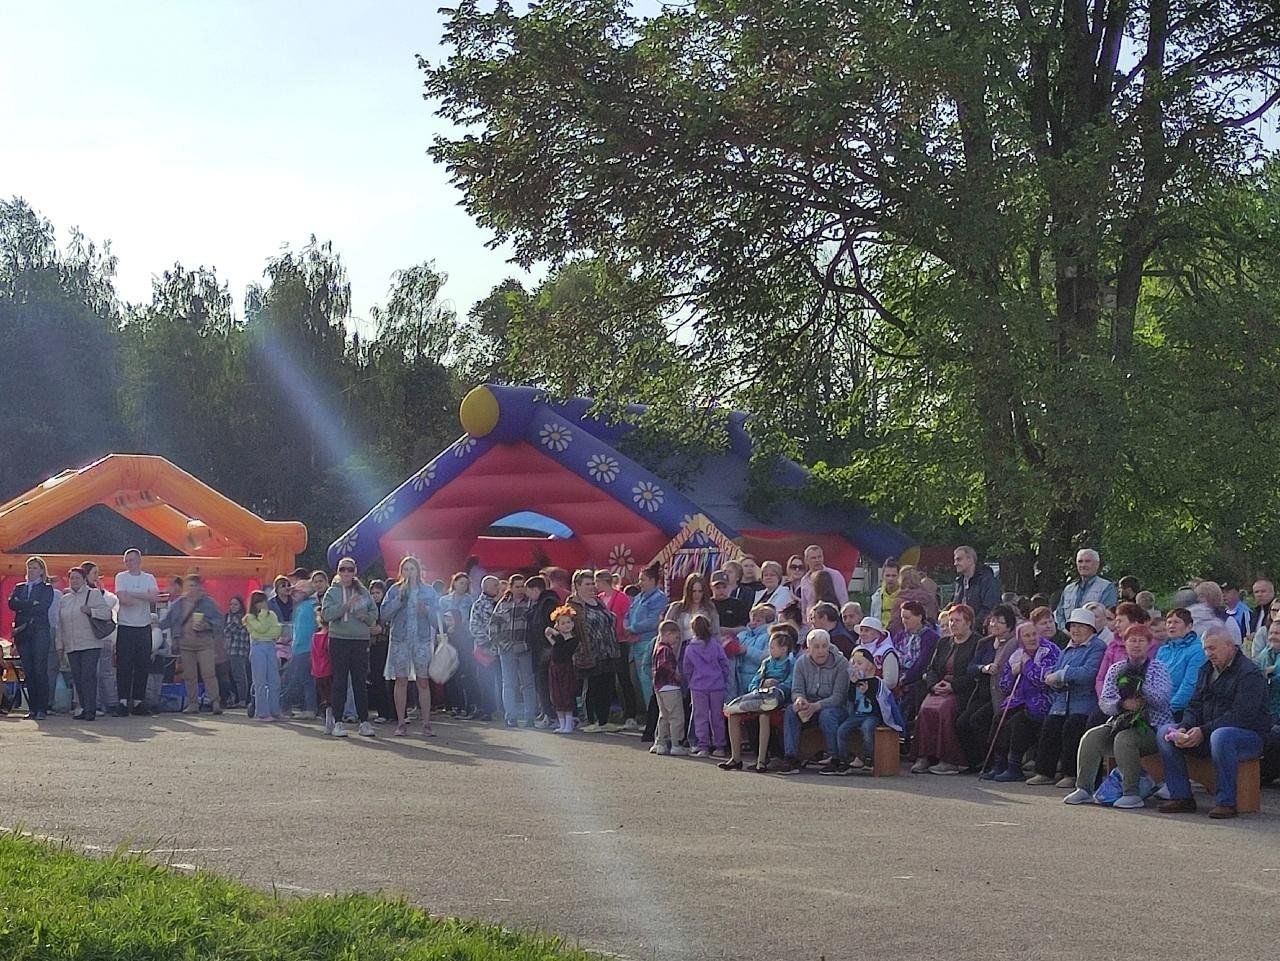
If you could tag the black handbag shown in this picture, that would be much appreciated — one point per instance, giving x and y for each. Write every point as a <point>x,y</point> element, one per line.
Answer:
<point>103,627</point>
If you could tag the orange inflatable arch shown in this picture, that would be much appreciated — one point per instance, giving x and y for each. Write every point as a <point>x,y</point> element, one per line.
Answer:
<point>217,537</point>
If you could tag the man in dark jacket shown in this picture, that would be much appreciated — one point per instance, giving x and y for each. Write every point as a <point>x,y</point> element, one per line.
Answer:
<point>976,586</point>
<point>1226,719</point>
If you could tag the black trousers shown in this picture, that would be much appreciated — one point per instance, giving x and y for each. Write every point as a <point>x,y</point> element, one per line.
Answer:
<point>973,725</point>
<point>1019,733</point>
<point>350,661</point>
<point>379,687</point>
<point>84,678</point>
<point>133,660</point>
<point>1059,744</point>
<point>630,698</point>
<point>599,697</point>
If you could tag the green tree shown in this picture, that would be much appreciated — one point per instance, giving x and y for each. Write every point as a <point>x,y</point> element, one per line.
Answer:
<point>972,196</point>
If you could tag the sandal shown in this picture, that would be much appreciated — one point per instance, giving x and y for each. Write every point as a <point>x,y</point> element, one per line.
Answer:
<point>730,765</point>
<point>401,730</point>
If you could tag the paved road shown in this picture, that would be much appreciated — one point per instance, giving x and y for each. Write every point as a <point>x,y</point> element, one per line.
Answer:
<point>653,858</point>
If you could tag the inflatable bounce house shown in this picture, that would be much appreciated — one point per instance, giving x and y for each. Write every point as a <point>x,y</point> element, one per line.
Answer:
<point>551,476</point>
<point>235,549</point>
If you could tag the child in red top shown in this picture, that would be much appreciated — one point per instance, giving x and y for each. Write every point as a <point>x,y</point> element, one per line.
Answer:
<point>666,688</point>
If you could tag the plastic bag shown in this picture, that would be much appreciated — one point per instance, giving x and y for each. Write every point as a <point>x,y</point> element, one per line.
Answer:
<point>761,701</point>
<point>1112,788</point>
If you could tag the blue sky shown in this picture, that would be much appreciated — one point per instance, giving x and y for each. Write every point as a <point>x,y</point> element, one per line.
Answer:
<point>215,132</point>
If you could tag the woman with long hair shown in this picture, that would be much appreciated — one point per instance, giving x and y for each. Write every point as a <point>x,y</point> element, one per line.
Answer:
<point>409,612</point>
<point>349,611</point>
<point>695,600</point>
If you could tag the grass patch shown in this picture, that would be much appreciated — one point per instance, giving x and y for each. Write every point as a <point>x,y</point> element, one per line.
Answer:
<point>59,905</point>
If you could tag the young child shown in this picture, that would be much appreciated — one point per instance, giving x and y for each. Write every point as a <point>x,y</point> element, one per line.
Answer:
<point>869,706</point>
<point>562,677</point>
<point>706,668</point>
<point>1267,660</point>
<point>264,630</point>
<point>774,671</point>
<point>667,689</point>
<point>754,639</point>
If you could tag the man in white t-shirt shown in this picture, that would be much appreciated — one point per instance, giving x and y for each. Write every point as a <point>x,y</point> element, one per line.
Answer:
<point>137,591</point>
<point>815,560</point>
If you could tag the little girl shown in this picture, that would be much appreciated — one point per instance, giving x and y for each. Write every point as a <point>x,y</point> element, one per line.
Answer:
<point>264,630</point>
<point>706,667</point>
<point>562,677</point>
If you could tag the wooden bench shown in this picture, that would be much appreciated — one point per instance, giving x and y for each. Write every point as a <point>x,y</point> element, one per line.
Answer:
<point>888,763</point>
<point>1248,778</point>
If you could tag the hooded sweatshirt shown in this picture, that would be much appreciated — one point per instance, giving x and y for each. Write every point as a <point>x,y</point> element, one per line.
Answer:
<point>1182,658</point>
<point>823,685</point>
<point>755,648</point>
<point>706,666</point>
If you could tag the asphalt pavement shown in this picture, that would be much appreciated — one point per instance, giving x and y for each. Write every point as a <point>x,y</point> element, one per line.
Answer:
<point>592,838</point>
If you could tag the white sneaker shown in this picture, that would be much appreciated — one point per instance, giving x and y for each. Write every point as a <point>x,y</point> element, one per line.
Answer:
<point>678,751</point>
<point>591,729</point>
<point>943,767</point>
<point>366,729</point>
<point>699,752</point>
<point>542,724</point>
<point>653,748</point>
<point>630,724</point>
<point>1078,796</point>
<point>339,730</point>
<point>856,764</point>
<point>1162,792</point>
<point>328,720</point>
<point>720,753</point>
<point>1128,802</point>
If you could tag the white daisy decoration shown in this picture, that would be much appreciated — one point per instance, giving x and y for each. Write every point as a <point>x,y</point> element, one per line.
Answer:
<point>647,495</point>
<point>383,511</point>
<point>464,446</point>
<point>621,560</point>
<point>422,480</point>
<point>603,468</point>
<point>347,544</point>
<point>555,437</point>
<point>686,520</point>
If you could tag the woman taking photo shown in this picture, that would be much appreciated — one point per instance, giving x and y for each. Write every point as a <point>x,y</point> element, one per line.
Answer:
<point>598,652</point>
<point>409,613</point>
<point>348,611</point>
<point>949,684</point>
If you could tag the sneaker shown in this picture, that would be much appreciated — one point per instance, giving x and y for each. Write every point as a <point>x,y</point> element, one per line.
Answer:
<point>832,766</point>
<point>366,729</point>
<point>1127,802</point>
<point>1162,792</point>
<point>591,729</point>
<point>1041,781</point>
<point>349,719</point>
<point>719,753</point>
<point>379,720</point>
<point>339,729</point>
<point>329,724</point>
<point>612,728</point>
<point>1078,796</point>
<point>944,768</point>
<point>662,749</point>
<point>654,748</point>
<point>699,752</point>
<point>1009,775</point>
<point>265,717</point>
<point>1066,783</point>
<point>542,723</point>
<point>921,766</point>
<point>790,765</point>
<point>678,750</point>
<point>141,710</point>
<point>191,709</point>
<point>857,764</point>
<point>631,724</point>
<point>217,709</point>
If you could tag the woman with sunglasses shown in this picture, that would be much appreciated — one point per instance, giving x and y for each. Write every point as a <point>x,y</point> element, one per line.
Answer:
<point>349,611</point>
<point>795,574</point>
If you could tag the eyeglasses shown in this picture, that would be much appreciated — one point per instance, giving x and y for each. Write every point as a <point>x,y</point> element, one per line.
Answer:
<point>346,570</point>
<point>795,567</point>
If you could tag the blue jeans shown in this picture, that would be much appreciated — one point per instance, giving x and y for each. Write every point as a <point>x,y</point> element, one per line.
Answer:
<point>866,723</point>
<point>266,678</point>
<point>299,685</point>
<point>1227,745</point>
<point>829,720</point>
<point>517,671</point>
<point>36,655</point>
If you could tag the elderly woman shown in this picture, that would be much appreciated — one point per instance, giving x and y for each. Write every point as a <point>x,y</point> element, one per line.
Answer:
<point>1026,702</point>
<point>913,589</point>
<point>76,639</point>
<point>1135,697</point>
<point>976,721</point>
<point>949,684</point>
<point>915,644</point>
<point>1074,700</point>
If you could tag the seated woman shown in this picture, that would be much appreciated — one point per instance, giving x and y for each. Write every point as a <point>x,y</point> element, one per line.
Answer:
<point>775,671</point>
<point>937,745</point>
<point>1135,697</point>
<point>1074,700</point>
<point>1127,614</point>
<point>974,725</point>
<point>1025,704</point>
<point>915,644</point>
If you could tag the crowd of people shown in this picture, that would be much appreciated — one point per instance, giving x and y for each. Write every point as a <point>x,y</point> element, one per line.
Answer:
<point>1038,690</point>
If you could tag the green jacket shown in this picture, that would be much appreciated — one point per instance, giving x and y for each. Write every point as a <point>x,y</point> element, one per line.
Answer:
<point>353,625</point>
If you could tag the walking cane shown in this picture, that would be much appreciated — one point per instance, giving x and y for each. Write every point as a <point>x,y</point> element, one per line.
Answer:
<point>1004,714</point>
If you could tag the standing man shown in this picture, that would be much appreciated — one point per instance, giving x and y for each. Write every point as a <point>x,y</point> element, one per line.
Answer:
<point>136,591</point>
<point>815,560</point>
<point>196,624</point>
<point>882,600</point>
<point>976,585</point>
<point>1087,587</point>
<point>1264,593</point>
